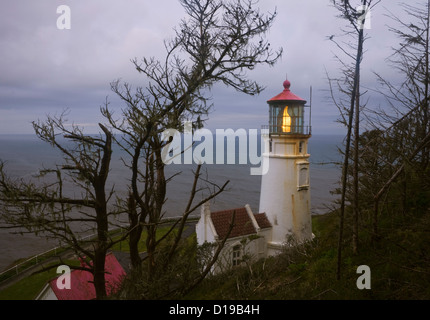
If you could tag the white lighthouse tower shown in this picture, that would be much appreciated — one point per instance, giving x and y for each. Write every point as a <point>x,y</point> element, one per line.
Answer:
<point>285,188</point>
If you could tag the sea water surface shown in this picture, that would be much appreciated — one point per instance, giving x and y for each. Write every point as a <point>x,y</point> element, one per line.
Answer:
<point>25,155</point>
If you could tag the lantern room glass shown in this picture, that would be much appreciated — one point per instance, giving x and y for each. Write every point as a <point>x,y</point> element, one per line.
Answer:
<point>287,119</point>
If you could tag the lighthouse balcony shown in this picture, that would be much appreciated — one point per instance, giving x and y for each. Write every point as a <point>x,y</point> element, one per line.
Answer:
<point>281,130</point>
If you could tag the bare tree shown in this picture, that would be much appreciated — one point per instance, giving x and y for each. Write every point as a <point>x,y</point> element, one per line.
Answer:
<point>217,42</point>
<point>68,201</point>
<point>355,16</point>
<point>407,114</point>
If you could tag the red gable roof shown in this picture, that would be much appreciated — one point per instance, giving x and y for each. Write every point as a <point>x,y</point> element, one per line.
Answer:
<point>242,222</point>
<point>82,287</point>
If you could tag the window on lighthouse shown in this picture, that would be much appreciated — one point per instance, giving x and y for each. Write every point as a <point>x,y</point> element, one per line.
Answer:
<point>286,121</point>
<point>303,177</point>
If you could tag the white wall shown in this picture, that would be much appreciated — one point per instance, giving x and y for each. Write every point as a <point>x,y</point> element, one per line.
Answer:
<point>204,227</point>
<point>286,206</point>
<point>47,294</point>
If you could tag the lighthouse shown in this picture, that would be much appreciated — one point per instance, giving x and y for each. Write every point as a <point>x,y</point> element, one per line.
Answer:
<point>285,188</point>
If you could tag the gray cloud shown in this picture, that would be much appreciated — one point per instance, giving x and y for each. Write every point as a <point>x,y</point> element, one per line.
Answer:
<point>44,70</point>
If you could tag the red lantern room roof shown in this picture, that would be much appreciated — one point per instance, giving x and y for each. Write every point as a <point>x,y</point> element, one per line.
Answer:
<point>287,95</point>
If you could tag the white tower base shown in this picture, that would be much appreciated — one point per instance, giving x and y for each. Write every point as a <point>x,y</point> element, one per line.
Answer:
<point>285,191</point>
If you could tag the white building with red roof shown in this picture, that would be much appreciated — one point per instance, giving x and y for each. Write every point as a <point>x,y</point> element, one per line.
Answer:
<point>81,286</point>
<point>247,234</point>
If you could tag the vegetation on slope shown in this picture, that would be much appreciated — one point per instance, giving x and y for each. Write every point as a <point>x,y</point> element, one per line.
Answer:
<point>399,264</point>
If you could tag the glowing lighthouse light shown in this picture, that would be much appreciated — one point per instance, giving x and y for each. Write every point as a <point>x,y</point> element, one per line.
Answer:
<point>286,121</point>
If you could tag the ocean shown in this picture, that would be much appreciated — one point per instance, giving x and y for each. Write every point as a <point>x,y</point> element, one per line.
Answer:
<point>25,155</point>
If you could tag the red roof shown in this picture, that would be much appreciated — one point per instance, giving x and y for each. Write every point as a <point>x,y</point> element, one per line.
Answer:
<point>82,287</point>
<point>287,95</point>
<point>242,222</point>
<point>262,220</point>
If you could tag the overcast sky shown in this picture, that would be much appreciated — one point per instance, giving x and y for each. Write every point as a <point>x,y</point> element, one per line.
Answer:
<point>44,70</point>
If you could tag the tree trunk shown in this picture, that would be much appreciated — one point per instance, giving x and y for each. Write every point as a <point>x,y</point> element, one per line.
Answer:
<point>159,194</point>
<point>102,218</point>
<point>347,149</point>
<point>134,239</point>
<point>150,249</point>
<point>135,233</point>
<point>426,151</point>
<point>375,220</point>
<point>99,274</point>
<point>101,246</point>
<point>355,204</point>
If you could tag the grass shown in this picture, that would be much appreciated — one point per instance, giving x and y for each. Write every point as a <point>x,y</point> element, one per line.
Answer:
<point>29,287</point>
<point>30,263</point>
<point>124,246</point>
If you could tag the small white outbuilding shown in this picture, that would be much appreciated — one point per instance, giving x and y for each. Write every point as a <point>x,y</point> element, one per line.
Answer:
<point>247,238</point>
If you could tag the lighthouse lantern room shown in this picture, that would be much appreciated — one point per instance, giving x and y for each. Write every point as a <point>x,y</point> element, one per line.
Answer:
<point>287,113</point>
<point>285,188</point>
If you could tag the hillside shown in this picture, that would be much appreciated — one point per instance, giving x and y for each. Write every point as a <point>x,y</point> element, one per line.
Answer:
<point>399,264</point>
